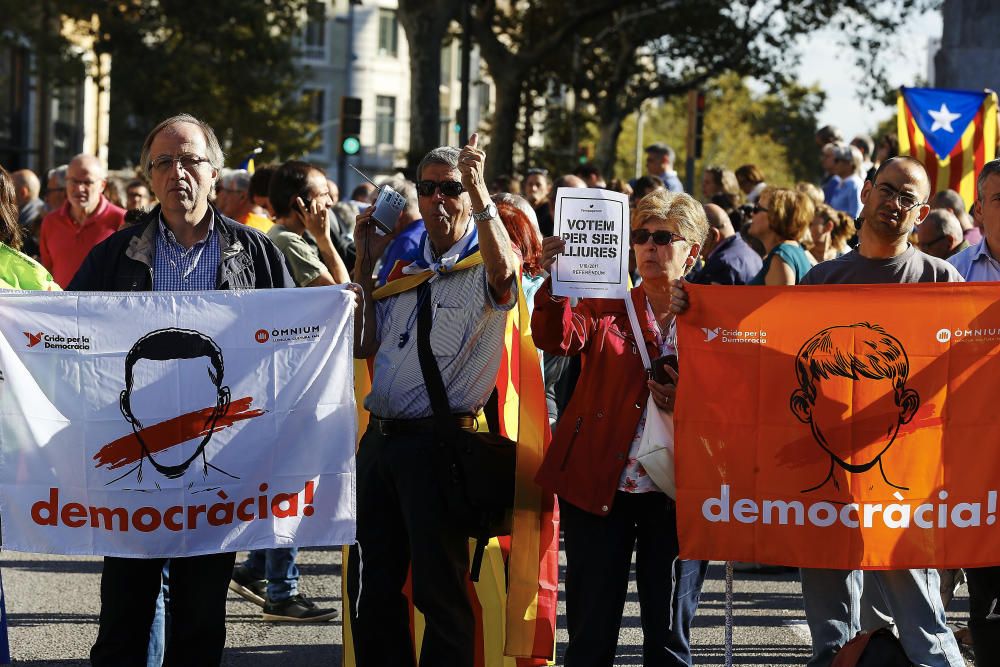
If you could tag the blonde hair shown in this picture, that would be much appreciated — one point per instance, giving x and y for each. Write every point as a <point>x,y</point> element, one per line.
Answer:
<point>677,207</point>
<point>789,212</point>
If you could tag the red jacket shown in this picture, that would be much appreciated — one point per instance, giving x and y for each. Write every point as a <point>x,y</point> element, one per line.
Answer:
<point>591,444</point>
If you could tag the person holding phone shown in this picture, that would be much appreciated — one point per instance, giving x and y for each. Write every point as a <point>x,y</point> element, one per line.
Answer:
<point>300,197</point>
<point>608,505</point>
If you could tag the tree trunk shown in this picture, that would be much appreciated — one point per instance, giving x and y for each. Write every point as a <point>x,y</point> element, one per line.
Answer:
<point>500,155</point>
<point>609,125</point>
<point>425,30</point>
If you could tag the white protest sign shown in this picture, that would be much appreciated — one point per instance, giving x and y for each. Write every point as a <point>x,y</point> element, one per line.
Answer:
<point>594,223</point>
<point>176,423</point>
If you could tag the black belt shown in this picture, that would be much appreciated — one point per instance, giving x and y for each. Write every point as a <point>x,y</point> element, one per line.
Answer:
<point>425,425</point>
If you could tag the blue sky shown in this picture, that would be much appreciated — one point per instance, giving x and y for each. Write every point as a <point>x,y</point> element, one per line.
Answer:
<point>824,64</point>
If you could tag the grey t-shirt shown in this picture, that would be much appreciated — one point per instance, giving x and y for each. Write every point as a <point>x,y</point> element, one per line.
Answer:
<point>912,266</point>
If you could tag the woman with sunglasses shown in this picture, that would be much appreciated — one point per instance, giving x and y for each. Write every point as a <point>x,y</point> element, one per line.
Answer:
<point>608,505</point>
<point>778,220</point>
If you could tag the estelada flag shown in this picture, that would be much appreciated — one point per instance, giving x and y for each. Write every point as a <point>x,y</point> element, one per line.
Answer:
<point>844,426</point>
<point>515,599</point>
<point>952,132</point>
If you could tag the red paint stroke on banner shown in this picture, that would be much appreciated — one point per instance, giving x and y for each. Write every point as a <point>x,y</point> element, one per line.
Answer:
<point>167,434</point>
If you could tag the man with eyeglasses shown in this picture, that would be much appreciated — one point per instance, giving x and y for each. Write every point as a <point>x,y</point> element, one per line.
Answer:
<point>978,264</point>
<point>464,273</point>
<point>85,219</point>
<point>838,602</point>
<point>940,234</point>
<point>181,244</point>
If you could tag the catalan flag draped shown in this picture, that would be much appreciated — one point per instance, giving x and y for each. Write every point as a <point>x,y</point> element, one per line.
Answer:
<point>515,599</point>
<point>952,132</point>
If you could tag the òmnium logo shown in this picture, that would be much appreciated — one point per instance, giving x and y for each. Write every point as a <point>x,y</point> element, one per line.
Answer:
<point>57,342</point>
<point>289,334</point>
<point>981,334</point>
<point>758,337</point>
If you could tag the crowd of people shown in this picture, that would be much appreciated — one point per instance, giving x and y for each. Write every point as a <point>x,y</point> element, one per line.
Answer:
<point>187,223</point>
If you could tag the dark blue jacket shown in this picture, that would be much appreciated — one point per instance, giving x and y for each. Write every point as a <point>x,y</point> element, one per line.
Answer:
<point>124,261</point>
<point>732,262</point>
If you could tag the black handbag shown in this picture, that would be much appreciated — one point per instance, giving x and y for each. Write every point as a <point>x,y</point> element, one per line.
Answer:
<point>477,469</point>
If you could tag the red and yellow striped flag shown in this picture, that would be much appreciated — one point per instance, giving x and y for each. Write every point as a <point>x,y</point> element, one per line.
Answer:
<point>952,132</point>
<point>515,599</point>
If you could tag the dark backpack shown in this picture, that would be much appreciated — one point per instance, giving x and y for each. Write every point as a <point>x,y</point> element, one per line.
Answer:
<point>880,648</point>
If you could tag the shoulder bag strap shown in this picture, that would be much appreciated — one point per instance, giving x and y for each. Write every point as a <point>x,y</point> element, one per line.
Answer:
<point>640,342</point>
<point>428,364</point>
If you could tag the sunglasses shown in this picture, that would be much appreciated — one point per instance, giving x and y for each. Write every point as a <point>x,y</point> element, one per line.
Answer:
<point>448,188</point>
<point>757,208</point>
<point>660,237</point>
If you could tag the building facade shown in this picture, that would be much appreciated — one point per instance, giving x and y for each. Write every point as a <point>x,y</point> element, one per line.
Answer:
<point>969,55</point>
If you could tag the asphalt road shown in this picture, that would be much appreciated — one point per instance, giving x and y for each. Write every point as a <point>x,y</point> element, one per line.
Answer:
<point>53,602</point>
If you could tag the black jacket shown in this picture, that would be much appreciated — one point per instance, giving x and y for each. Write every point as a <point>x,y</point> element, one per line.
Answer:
<point>124,261</point>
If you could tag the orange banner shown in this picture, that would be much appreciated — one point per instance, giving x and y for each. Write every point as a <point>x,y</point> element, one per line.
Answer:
<point>848,426</point>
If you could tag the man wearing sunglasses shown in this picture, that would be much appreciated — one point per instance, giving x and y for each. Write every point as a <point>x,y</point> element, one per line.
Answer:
<point>465,269</point>
<point>940,234</point>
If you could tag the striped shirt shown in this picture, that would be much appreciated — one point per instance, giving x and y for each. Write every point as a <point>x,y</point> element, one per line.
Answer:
<point>466,337</point>
<point>180,269</point>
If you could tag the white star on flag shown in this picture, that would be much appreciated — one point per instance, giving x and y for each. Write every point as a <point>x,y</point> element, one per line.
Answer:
<point>942,119</point>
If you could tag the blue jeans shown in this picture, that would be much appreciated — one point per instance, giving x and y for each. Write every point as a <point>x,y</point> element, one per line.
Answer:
<point>598,560</point>
<point>161,622</point>
<point>833,603</point>
<point>279,568</point>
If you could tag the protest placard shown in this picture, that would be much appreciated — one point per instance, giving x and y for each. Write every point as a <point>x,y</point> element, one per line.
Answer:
<point>176,423</point>
<point>594,223</point>
<point>857,437</point>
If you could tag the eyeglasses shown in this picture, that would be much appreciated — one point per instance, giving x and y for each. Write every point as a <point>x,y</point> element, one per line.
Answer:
<point>74,182</point>
<point>930,243</point>
<point>448,188</point>
<point>660,237</point>
<point>905,201</point>
<point>164,163</point>
<point>757,208</point>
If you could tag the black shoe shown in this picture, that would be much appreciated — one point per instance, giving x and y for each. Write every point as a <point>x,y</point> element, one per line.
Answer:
<point>245,584</point>
<point>297,608</point>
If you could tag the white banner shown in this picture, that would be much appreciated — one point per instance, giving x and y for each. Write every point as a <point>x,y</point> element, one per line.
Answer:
<point>176,423</point>
<point>594,223</point>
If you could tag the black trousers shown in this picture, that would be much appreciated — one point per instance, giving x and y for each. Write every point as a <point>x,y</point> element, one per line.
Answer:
<point>984,613</point>
<point>403,521</point>
<point>598,561</point>
<point>198,590</point>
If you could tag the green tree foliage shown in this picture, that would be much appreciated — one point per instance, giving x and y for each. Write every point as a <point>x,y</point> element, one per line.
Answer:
<point>773,131</point>
<point>228,62</point>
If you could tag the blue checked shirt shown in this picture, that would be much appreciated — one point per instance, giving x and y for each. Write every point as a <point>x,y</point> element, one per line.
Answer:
<point>180,269</point>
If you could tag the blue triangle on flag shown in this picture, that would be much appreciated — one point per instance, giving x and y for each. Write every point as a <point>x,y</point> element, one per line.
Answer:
<point>942,115</point>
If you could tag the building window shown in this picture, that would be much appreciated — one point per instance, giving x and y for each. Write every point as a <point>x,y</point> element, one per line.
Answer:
<point>385,120</point>
<point>314,32</point>
<point>316,99</point>
<point>388,33</point>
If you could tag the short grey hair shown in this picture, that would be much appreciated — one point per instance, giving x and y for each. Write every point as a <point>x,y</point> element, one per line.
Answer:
<point>990,168</point>
<point>236,179</point>
<point>679,207</point>
<point>59,173</point>
<point>446,155</point>
<point>406,188</point>
<point>944,223</point>
<point>215,156</point>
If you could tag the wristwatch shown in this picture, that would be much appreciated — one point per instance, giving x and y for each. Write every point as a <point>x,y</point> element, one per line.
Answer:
<point>487,213</point>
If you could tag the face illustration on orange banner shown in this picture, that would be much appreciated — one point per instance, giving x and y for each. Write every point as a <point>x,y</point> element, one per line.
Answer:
<point>839,369</point>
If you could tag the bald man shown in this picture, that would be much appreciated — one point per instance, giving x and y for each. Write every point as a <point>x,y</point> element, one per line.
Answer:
<point>940,234</point>
<point>729,260</point>
<point>30,208</point>
<point>953,201</point>
<point>83,221</point>
<point>891,204</point>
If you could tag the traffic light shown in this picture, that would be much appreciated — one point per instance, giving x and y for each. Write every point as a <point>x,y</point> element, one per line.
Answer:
<point>699,122</point>
<point>350,125</point>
